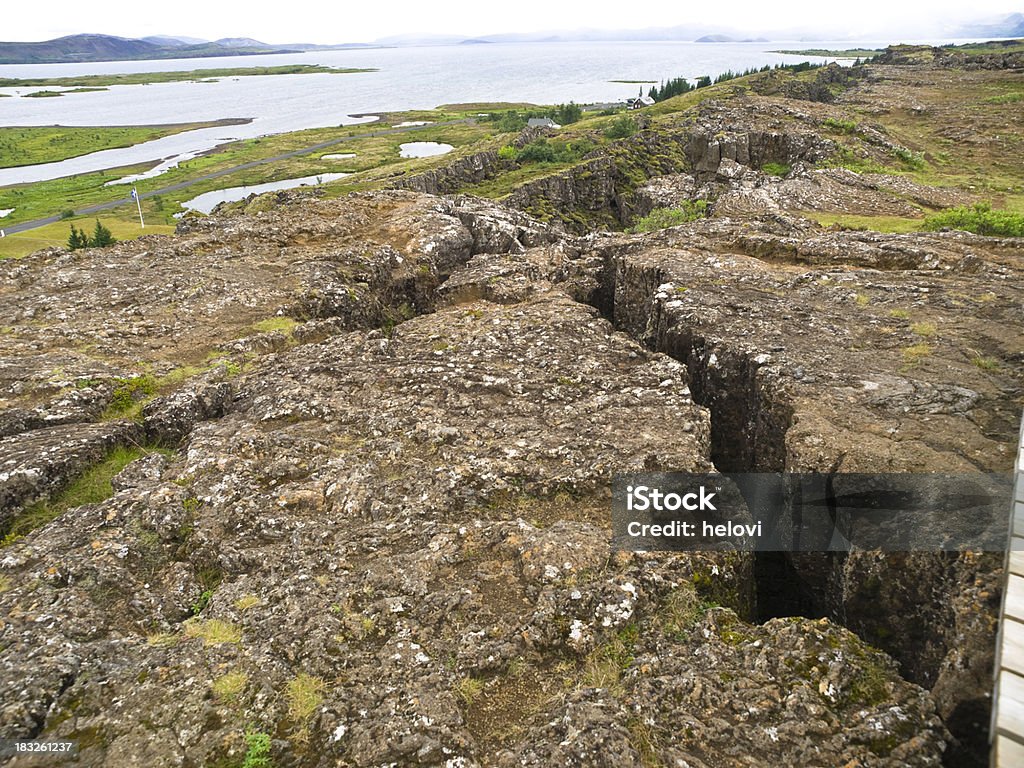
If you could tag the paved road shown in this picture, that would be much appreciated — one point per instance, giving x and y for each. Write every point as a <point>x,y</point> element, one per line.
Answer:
<point>26,225</point>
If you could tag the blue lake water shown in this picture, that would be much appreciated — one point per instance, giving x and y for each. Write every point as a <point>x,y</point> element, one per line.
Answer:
<point>409,78</point>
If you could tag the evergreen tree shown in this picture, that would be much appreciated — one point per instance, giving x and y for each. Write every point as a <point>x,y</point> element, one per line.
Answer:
<point>77,239</point>
<point>674,87</point>
<point>101,236</point>
<point>565,114</point>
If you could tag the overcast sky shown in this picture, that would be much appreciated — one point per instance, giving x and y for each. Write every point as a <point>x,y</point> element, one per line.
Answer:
<point>315,21</point>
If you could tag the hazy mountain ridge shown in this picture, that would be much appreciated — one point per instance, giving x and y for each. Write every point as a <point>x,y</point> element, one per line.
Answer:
<point>100,47</point>
<point>94,47</point>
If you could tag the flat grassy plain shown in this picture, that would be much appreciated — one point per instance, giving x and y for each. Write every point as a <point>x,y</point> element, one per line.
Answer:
<point>372,152</point>
<point>845,53</point>
<point>122,227</point>
<point>51,144</point>
<point>145,78</point>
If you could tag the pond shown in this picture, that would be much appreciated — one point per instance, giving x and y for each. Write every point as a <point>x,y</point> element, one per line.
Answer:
<point>207,201</point>
<point>424,149</point>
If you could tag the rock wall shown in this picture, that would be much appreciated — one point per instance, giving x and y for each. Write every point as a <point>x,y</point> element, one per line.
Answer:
<point>761,348</point>
<point>465,171</point>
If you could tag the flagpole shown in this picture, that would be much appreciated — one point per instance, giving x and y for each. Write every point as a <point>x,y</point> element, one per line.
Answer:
<point>138,202</point>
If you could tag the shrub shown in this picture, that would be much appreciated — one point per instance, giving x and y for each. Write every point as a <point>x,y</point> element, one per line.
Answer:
<point>77,239</point>
<point>511,121</point>
<point>544,151</point>
<point>508,152</point>
<point>911,160</point>
<point>258,753</point>
<point>539,151</point>
<point>662,218</point>
<point>979,219</point>
<point>581,147</point>
<point>840,126</point>
<point>621,127</point>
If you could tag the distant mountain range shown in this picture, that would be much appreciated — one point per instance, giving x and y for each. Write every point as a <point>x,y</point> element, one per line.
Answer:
<point>75,48</point>
<point>1011,26</point>
<point>90,47</point>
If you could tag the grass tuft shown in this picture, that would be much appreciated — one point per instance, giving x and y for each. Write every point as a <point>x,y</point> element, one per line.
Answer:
<point>915,352</point>
<point>130,394</point>
<point>304,693</point>
<point>213,631</point>
<point>468,689</point>
<point>230,686</point>
<point>161,640</point>
<point>277,324</point>
<point>776,169</point>
<point>247,602</point>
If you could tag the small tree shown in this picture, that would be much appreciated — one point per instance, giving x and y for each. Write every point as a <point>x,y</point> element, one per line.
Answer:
<point>77,239</point>
<point>566,114</point>
<point>511,121</point>
<point>101,236</point>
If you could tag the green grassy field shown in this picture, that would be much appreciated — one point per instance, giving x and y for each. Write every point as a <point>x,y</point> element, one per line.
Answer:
<point>372,153</point>
<point>846,53</point>
<point>145,78</point>
<point>896,224</point>
<point>992,169</point>
<point>51,144</point>
<point>120,224</point>
<point>994,46</point>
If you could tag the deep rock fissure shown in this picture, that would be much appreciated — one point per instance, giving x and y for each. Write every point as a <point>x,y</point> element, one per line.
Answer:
<point>750,416</point>
<point>747,434</point>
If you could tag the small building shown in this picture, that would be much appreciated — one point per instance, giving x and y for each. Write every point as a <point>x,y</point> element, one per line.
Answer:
<point>541,122</point>
<point>640,103</point>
